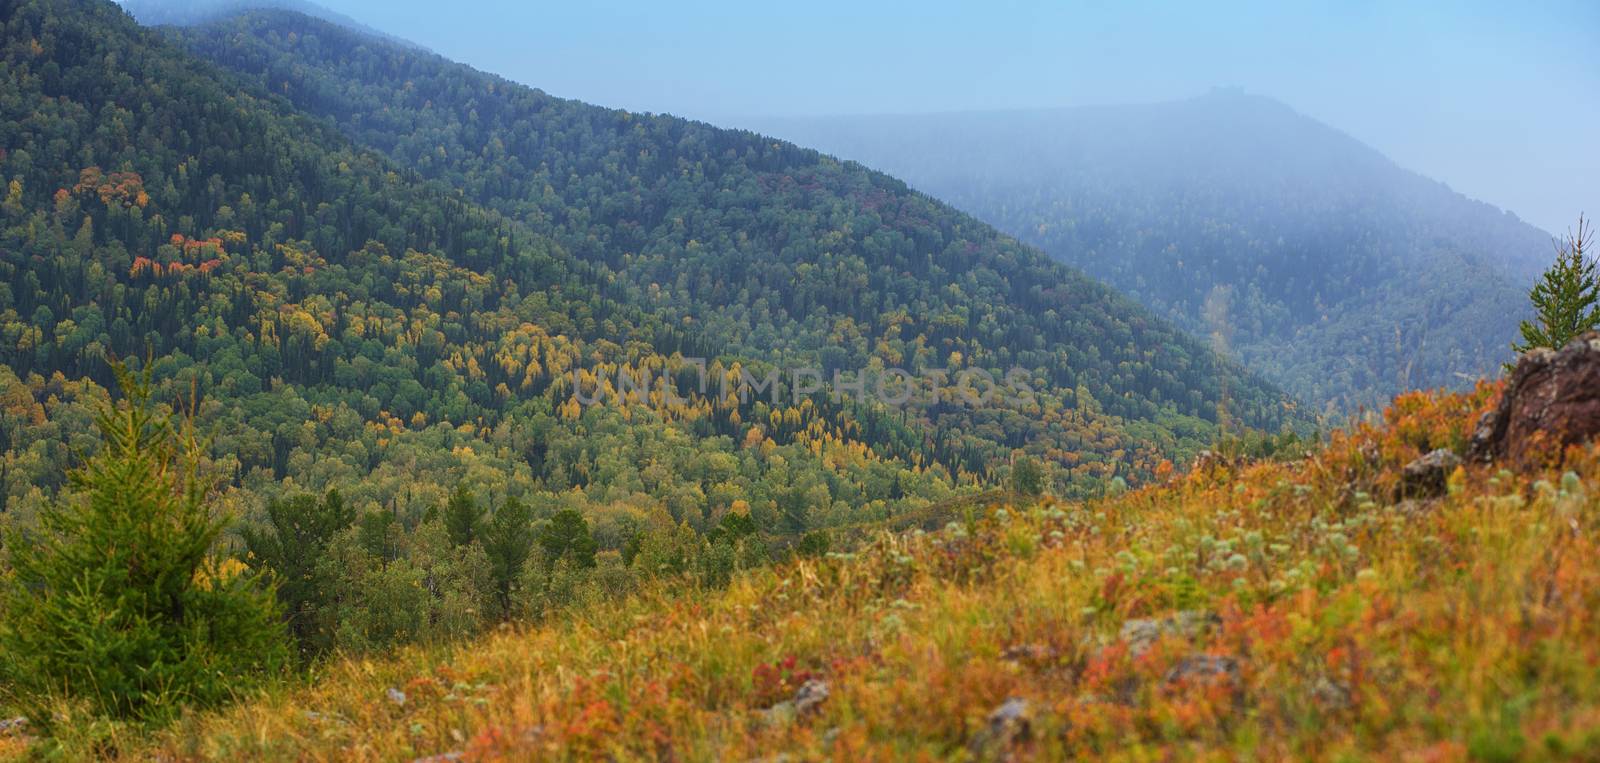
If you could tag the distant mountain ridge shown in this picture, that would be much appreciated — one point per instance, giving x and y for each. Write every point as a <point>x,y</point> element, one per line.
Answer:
<point>194,12</point>
<point>1321,263</point>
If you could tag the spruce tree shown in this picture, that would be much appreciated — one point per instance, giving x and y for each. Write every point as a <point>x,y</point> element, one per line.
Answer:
<point>462,516</point>
<point>566,536</point>
<point>1566,299</point>
<point>291,546</point>
<point>116,601</point>
<point>508,541</point>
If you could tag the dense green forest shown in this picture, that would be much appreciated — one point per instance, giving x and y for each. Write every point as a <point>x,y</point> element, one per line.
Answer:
<point>769,250</point>
<point>1309,256</point>
<point>378,281</point>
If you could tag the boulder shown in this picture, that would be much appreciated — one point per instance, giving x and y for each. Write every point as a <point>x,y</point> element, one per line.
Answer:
<point>810,696</point>
<point>1332,696</point>
<point>807,699</point>
<point>1142,633</point>
<point>1426,476</point>
<point>1204,669</point>
<point>1551,401</point>
<point>1007,725</point>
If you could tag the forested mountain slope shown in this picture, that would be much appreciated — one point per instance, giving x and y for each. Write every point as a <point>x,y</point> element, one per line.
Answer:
<point>765,249</point>
<point>412,335</point>
<point>1320,263</point>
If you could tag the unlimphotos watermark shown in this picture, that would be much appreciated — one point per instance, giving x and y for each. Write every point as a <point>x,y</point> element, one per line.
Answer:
<point>890,386</point>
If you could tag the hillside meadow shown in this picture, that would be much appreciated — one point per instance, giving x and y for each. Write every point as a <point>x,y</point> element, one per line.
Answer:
<point>1274,609</point>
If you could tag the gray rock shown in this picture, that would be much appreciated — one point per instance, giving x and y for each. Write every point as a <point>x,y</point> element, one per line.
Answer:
<point>1009,723</point>
<point>395,695</point>
<point>1142,633</point>
<point>1205,669</point>
<point>810,696</point>
<point>807,699</point>
<point>15,725</point>
<point>1332,696</point>
<point>781,714</point>
<point>1426,476</point>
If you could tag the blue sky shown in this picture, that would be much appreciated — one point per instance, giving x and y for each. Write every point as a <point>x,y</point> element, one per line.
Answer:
<point>1499,100</point>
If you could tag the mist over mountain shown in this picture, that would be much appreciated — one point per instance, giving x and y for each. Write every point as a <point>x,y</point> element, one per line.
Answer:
<point>192,12</point>
<point>1310,256</point>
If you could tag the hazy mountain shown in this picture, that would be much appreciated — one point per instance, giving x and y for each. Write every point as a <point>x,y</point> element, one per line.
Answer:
<point>191,12</point>
<point>1315,259</point>
<point>770,250</point>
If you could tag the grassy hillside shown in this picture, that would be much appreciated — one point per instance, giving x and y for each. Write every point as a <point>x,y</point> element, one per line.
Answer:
<point>1312,257</point>
<point>1258,610</point>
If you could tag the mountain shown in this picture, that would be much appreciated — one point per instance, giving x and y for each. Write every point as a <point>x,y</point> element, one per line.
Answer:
<point>766,249</point>
<point>383,282</point>
<point>1308,255</point>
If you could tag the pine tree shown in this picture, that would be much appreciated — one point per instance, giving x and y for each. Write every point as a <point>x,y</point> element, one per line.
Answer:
<point>508,540</point>
<point>462,516</point>
<point>566,536</point>
<point>1566,299</point>
<point>291,546</point>
<point>117,600</point>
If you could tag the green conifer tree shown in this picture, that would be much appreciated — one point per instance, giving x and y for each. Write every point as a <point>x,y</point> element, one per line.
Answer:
<point>117,600</point>
<point>566,536</point>
<point>463,517</point>
<point>508,541</point>
<point>1566,299</point>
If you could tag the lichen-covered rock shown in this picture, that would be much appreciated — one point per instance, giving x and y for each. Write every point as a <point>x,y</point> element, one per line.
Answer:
<point>1142,633</point>
<point>1426,477</point>
<point>1008,724</point>
<point>806,700</point>
<point>1204,669</point>
<point>1552,400</point>
<point>1332,696</point>
<point>810,696</point>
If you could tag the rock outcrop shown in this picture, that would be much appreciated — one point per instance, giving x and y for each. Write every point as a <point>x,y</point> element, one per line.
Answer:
<point>1551,401</point>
